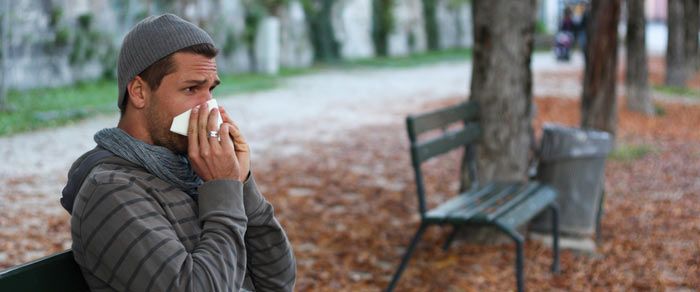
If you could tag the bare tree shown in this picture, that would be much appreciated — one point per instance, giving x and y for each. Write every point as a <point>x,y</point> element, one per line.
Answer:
<point>692,25</point>
<point>599,102</point>
<point>676,69</point>
<point>502,85</point>
<point>636,81</point>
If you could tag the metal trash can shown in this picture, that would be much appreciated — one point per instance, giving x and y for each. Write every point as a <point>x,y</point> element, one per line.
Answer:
<point>572,160</point>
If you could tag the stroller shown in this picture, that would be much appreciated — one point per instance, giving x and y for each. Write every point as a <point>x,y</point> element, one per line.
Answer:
<point>563,41</point>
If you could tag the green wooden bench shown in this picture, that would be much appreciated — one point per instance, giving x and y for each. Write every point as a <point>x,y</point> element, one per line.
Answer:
<point>505,205</point>
<point>56,273</point>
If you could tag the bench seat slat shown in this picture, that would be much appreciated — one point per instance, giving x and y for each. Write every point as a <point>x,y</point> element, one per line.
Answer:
<point>468,213</point>
<point>514,202</point>
<point>524,211</point>
<point>492,201</point>
<point>468,205</point>
<point>523,194</point>
<point>459,202</point>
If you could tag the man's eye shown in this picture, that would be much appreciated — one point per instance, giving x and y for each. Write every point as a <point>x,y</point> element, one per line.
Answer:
<point>189,89</point>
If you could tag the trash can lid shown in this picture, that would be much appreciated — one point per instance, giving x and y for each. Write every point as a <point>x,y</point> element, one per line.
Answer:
<point>562,142</point>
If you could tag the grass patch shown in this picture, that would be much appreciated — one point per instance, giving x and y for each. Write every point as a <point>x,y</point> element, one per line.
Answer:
<point>50,107</point>
<point>628,153</point>
<point>659,110</point>
<point>408,61</point>
<point>240,83</point>
<point>673,90</point>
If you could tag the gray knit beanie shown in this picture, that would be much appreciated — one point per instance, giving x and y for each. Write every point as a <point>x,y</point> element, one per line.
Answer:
<point>151,40</point>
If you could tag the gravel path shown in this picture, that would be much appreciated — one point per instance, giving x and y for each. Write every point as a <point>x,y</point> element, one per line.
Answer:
<point>321,106</point>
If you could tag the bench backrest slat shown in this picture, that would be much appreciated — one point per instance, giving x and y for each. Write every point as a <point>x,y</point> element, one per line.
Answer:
<point>466,114</point>
<point>467,111</point>
<point>446,142</point>
<point>57,272</point>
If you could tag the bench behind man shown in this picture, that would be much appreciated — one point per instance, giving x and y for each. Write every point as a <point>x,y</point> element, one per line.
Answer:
<point>504,205</point>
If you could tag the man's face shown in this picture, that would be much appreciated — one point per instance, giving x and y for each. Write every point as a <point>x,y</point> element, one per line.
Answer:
<point>190,84</point>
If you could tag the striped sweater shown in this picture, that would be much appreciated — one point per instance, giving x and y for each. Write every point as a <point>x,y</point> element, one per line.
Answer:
<point>134,232</point>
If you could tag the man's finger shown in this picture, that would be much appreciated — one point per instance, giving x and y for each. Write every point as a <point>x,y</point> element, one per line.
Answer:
<point>238,139</point>
<point>224,115</point>
<point>213,126</point>
<point>226,141</point>
<point>193,133</point>
<point>202,121</point>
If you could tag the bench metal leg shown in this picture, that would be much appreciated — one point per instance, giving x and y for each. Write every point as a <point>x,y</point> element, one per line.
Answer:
<point>554,207</point>
<point>450,238</point>
<point>406,257</point>
<point>519,263</point>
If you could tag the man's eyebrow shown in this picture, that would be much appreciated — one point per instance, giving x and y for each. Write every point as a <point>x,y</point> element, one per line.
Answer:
<point>201,81</point>
<point>195,81</point>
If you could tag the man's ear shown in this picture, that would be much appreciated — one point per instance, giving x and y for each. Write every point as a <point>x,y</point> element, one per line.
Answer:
<point>138,91</point>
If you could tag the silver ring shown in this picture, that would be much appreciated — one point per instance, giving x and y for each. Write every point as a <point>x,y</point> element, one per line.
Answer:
<point>214,134</point>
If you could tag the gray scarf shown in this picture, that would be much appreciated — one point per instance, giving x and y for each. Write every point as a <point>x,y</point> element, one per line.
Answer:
<point>159,161</point>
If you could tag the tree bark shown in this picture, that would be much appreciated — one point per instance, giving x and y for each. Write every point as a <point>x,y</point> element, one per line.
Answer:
<point>676,70</point>
<point>636,81</point>
<point>692,25</point>
<point>322,35</point>
<point>599,102</point>
<point>502,85</point>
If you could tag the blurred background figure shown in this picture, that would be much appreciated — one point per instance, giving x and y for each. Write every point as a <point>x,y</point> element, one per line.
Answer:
<point>564,39</point>
<point>580,19</point>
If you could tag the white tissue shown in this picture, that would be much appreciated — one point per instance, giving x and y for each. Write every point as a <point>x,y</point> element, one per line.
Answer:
<point>181,122</point>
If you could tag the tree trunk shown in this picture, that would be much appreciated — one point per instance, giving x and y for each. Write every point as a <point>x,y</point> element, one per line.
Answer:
<point>599,102</point>
<point>636,81</point>
<point>692,25</point>
<point>322,35</point>
<point>502,85</point>
<point>676,70</point>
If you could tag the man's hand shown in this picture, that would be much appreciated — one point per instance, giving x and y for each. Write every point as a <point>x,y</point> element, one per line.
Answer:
<point>214,157</point>
<point>239,143</point>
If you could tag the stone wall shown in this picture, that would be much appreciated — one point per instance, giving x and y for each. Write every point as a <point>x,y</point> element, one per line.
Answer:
<point>352,24</point>
<point>295,43</point>
<point>408,34</point>
<point>43,51</point>
<point>454,23</point>
<point>59,42</point>
<point>225,21</point>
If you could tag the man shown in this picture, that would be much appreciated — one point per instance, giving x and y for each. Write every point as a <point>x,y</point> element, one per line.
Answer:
<point>153,210</point>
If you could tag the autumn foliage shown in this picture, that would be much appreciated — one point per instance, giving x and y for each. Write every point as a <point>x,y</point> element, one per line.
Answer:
<point>349,207</point>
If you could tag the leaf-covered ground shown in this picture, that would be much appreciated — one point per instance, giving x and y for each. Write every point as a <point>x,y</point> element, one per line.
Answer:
<point>349,207</point>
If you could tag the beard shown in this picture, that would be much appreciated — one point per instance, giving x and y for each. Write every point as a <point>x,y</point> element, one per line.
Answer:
<point>158,125</point>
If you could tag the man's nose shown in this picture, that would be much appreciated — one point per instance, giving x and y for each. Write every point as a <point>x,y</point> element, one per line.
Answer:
<point>205,97</point>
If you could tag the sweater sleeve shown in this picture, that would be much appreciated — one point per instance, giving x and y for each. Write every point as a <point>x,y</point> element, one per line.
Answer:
<point>124,239</point>
<point>271,263</point>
